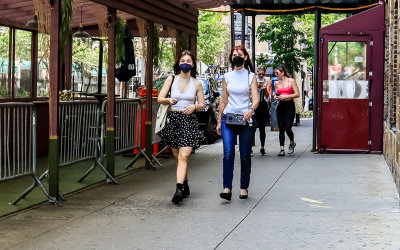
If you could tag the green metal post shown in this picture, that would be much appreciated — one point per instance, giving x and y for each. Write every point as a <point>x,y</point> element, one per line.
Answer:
<point>53,168</point>
<point>110,148</point>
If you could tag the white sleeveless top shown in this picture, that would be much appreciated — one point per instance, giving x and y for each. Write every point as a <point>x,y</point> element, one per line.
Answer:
<point>238,84</point>
<point>184,99</point>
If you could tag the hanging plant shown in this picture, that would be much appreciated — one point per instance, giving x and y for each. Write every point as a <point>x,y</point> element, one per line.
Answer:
<point>119,40</point>
<point>66,17</point>
<point>156,45</point>
<point>101,14</point>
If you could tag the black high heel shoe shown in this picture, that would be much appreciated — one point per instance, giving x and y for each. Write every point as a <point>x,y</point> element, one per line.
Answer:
<point>244,196</point>
<point>226,196</point>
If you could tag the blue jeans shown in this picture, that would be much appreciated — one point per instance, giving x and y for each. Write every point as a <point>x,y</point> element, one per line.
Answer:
<point>229,134</point>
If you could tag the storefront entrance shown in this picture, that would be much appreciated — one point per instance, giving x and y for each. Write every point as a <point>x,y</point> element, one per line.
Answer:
<point>351,84</point>
<point>345,100</point>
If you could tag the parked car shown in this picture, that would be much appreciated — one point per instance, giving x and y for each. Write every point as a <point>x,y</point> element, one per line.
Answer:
<point>208,117</point>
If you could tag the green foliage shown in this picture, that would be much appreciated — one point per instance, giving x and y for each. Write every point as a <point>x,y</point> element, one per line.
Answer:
<point>284,38</point>
<point>156,46</point>
<point>3,91</point>
<point>84,58</point>
<point>66,17</point>
<point>23,46</point>
<point>119,40</point>
<point>347,51</point>
<point>213,35</point>
<point>279,30</point>
<point>306,24</point>
<point>4,42</point>
<point>160,82</point>
<point>166,54</point>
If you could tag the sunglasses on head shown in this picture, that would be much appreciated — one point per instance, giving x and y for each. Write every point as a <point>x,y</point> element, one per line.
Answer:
<point>261,74</point>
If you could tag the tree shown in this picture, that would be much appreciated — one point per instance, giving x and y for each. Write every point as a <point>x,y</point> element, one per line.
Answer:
<point>284,31</point>
<point>287,42</point>
<point>4,42</point>
<point>166,54</point>
<point>85,57</point>
<point>213,35</point>
<point>306,24</point>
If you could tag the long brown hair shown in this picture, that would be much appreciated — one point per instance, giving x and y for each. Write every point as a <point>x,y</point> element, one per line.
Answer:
<point>177,69</point>
<point>247,64</point>
<point>282,69</point>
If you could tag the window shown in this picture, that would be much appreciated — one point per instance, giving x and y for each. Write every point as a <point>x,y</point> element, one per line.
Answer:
<point>15,63</point>
<point>43,77</point>
<point>4,61</point>
<point>22,66</point>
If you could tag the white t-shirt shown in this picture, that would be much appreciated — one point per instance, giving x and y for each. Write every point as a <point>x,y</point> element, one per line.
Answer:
<point>238,84</point>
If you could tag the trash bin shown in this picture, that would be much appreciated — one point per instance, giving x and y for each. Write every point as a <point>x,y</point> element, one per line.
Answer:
<point>142,96</point>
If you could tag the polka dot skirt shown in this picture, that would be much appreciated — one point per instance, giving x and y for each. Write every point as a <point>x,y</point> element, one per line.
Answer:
<point>181,130</point>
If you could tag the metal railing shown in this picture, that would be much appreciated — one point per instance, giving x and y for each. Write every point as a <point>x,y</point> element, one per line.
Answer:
<point>79,128</point>
<point>18,144</point>
<point>81,137</point>
<point>127,124</point>
<point>128,128</point>
<point>82,126</point>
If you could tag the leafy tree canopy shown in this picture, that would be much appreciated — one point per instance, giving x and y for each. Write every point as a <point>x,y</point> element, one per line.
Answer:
<point>284,38</point>
<point>291,38</point>
<point>213,35</point>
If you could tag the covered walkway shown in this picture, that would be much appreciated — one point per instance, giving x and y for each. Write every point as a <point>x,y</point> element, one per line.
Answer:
<point>303,201</point>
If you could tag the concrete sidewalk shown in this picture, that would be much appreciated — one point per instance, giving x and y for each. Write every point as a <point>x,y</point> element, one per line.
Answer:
<point>301,201</point>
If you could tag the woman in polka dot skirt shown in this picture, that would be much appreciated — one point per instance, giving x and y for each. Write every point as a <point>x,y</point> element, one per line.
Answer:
<point>181,130</point>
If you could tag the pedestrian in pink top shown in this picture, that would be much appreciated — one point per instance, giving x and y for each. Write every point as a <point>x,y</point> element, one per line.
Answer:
<point>286,90</point>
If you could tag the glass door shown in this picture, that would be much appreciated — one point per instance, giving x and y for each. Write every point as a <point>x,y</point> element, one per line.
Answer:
<point>345,94</point>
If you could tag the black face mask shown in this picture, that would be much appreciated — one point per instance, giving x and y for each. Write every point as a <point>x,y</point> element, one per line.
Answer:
<point>237,61</point>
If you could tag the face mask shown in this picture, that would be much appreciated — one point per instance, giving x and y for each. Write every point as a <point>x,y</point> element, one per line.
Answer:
<point>185,67</point>
<point>237,61</point>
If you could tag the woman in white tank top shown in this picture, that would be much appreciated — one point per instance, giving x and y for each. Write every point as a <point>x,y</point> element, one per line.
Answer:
<point>181,130</point>
<point>237,86</point>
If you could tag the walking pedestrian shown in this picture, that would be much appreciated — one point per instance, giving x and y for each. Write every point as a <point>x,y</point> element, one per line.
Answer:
<point>181,131</point>
<point>238,86</point>
<point>286,90</point>
<point>262,111</point>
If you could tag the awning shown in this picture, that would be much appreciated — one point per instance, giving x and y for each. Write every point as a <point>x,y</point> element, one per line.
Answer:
<point>298,6</point>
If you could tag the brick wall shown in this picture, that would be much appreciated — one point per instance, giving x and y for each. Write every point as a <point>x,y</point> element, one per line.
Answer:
<point>391,137</point>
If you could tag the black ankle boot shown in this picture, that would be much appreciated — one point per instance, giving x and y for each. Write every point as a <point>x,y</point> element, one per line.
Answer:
<point>186,190</point>
<point>178,196</point>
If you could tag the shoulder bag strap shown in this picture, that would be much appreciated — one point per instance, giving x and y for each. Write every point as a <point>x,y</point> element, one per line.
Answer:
<point>169,92</point>
<point>249,84</point>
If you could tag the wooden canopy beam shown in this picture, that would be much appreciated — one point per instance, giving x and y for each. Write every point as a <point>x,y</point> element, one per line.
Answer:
<point>147,14</point>
<point>5,12</point>
<point>15,24</point>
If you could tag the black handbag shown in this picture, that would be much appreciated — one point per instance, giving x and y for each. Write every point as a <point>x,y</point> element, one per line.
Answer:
<point>235,120</point>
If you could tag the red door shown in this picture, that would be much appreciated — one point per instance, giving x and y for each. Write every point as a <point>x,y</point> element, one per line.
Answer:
<point>344,94</point>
